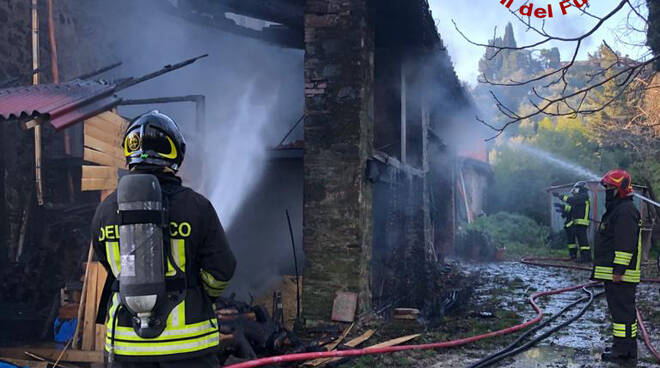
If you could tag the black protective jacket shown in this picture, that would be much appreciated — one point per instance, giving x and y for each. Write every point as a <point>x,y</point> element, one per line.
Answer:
<point>618,242</point>
<point>576,209</point>
<point>201,250</point>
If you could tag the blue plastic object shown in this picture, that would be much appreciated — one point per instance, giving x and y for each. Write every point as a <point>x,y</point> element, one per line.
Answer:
<point>4,364</point>
<point>64,329</point>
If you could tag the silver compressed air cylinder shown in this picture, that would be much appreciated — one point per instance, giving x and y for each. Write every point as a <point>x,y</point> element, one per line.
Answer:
<point>142,275</point>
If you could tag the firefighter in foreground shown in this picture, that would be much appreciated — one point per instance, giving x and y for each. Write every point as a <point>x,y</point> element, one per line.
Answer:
<point>617,256</point>
<point>575,209</point>
<point>166,255</point>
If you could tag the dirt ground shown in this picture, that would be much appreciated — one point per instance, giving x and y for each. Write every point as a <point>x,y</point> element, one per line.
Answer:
<point>500,300</point>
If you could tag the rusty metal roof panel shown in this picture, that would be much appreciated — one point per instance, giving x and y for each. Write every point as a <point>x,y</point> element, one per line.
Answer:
<point>64,104</point>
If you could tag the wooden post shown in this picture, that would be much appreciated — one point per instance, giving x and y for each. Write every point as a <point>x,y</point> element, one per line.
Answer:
<point>35,81</point>
<point>83,298</point>
<point>404,114</point>
<point>89,323</point>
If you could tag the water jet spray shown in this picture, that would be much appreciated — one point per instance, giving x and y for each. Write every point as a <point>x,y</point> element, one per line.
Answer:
<point>575,168</point>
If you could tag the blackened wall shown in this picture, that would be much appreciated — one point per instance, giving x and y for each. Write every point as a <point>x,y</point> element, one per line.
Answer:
<point>339,75</point>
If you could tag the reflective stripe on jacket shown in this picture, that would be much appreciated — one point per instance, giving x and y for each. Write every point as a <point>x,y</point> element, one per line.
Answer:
<point>618,246</point>
<point>577,209</point>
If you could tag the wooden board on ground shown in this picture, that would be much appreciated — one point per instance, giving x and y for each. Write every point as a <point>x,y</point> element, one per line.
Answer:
<point>352,344</point>
<point>341,338</point>
<point>394,342</point>
<point>53,354</point>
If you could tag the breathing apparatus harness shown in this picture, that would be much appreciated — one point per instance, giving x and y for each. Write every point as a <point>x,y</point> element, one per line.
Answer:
<point>145,224</point>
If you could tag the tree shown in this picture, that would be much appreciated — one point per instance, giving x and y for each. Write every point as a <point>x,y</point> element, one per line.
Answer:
<point>631,123</point>
<point>570,101</point>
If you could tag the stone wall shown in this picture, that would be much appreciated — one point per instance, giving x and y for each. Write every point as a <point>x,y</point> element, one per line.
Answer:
<point>339,75</point>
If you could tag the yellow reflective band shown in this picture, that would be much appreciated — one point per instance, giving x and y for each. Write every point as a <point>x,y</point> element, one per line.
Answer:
<point>624,255</point>
<point>619,334</point>
<point>586,212</point>
<point>165,348</point>
<point>179,253</point>
<point>567,208</point>
<point>114,259</point>
<point>178,247</point>
<point>585,248</point>
<point>603,273</point>
<point>621,261</point>
<point>170,269</point>
<point>639,248</point>
<point>569,224</point>
<point>572,246</point>
<point>619,330</point>
<point>212,286</point>
<point>632,276</point>
<point>581,222</point>
<point>173,319</point>
<point>170,333</point>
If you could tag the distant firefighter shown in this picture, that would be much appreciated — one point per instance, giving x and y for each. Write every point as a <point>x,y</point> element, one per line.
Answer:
<point>575,210</point>
<point>617,261</point>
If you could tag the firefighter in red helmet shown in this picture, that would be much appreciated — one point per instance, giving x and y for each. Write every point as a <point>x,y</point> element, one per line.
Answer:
<point>617,255</point>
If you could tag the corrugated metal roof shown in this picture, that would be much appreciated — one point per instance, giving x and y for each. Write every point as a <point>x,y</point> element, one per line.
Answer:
<point>64,104</point>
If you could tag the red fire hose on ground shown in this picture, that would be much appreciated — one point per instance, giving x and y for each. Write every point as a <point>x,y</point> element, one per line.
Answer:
<point>640,322</point>
<point>392,349</point>
<point>445,344</point>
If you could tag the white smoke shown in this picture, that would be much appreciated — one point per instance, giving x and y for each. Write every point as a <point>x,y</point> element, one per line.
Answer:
<point>233,169</point>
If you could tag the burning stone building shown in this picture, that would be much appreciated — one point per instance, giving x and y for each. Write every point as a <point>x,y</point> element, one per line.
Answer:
<point>374,182</point>
<point>380,98</point>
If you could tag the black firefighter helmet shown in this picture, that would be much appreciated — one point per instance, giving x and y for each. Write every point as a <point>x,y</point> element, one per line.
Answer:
<point>580,187</point>
<point>154,140</point>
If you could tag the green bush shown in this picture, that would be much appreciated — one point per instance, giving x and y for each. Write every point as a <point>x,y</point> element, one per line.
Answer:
<point>509,230</point>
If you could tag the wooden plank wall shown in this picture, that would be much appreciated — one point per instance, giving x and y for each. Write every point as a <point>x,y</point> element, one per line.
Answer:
<point>103,152</point>
<point>93,334</point>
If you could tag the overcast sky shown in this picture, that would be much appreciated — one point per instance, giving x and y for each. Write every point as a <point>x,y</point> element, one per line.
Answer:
<point>477,19</point>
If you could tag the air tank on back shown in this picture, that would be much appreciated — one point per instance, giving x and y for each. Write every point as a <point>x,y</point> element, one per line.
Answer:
<point>142,275</point>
